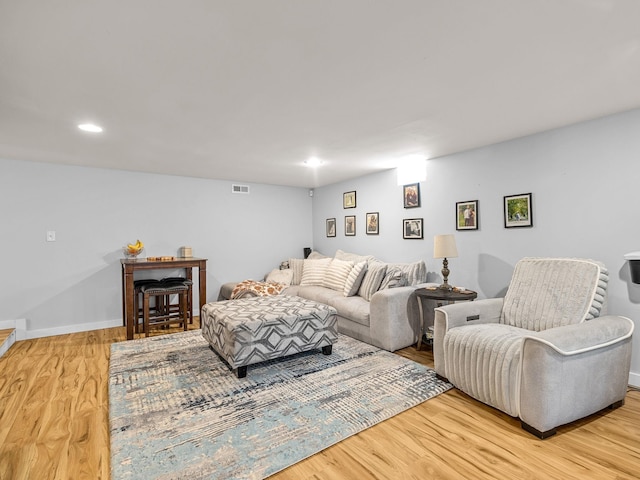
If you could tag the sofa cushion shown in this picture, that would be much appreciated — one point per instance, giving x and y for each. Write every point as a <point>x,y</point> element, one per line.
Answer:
<point>353,257</point>
<point>354,280</point>
<point>372,280</point>
<point>280,276</point>
<point>394,277</point>
<point>313,271</point>
<point>416,272</point>
<point>336,274</point>
<point>318,294</point>
<point>356,309</point>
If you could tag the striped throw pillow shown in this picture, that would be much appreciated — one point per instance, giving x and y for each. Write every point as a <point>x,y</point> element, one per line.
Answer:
<point>336,274</point>
<point>313,271</point>
<point>354,280</point>
<point>372,280</point>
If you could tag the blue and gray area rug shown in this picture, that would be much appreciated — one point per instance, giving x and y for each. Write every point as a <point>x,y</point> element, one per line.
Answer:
<point>177,412</point>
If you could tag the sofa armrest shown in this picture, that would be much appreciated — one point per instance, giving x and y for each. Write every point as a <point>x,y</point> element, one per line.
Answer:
<point>458,315</point>
<point>578,369</point>
<point>393,317</point>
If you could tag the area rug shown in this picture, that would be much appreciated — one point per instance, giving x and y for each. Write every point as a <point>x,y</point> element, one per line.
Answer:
<point>178,412</point>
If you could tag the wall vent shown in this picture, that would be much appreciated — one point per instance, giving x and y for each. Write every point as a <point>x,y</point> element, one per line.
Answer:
<point>240,189</point>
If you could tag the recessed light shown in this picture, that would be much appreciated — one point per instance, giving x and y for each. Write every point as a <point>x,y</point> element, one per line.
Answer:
<point>313,162</point>
<point>90,127</point>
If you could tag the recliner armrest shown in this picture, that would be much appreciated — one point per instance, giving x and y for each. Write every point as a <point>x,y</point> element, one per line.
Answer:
<point>586,336</point>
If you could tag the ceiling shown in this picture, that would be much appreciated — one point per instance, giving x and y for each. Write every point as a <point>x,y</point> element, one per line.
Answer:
<point>248,90</point>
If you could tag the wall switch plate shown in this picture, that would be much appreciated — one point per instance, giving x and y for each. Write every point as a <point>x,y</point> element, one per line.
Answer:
<point>51,236</point>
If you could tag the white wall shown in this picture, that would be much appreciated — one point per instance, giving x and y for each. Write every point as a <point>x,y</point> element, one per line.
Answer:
<point>74,283</point>
<point>583,178</point>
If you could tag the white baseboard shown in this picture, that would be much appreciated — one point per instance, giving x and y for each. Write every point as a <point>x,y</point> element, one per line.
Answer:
<point>65,329</point>
<point>10,340</point>
<point>634,379</point>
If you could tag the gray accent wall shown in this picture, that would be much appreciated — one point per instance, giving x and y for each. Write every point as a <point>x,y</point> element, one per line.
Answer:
<point>584,179</point>
<point>74,283</point>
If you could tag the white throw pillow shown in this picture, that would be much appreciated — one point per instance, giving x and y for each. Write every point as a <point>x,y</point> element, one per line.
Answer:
<point>336,274</point>
<point>354,280</point>
<point>280,276</point>
<point>313,271</point>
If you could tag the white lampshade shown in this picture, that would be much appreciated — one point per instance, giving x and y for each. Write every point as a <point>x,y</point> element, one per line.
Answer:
<point>444,246</point>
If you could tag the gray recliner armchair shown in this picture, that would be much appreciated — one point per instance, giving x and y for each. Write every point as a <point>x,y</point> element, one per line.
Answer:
<point>543,353</point>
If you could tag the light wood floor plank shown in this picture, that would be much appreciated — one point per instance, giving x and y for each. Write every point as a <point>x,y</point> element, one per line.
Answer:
<point>54,424</point>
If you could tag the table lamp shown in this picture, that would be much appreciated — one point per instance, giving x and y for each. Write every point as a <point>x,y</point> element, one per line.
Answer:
<point>444,246</point>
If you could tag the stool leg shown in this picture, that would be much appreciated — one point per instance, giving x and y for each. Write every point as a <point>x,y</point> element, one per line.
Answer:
<point>183,308</point>
<point>145,314</point>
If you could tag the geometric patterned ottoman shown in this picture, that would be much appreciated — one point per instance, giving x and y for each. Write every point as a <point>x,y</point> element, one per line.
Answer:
<point>255,329</point>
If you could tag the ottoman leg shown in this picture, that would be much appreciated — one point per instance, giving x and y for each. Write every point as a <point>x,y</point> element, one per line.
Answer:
<point>241,372</point>
<point>326,350</point>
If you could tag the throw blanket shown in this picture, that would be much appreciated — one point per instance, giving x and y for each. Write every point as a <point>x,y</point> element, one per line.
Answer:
<point>251,288</point>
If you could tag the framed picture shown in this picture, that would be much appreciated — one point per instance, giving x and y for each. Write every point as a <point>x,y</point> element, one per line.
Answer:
<point>412,228</point>
<point>467,215</point>
<point>411,195</point>
<point>349,200</point>
<point>372,223</point>
<point>518,211</point>
<point>350,225</point>
<point>331,227</point>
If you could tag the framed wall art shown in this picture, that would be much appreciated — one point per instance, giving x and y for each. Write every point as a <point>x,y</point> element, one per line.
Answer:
<point>518,211</point>
<point>349,199</point>
<point>412,228</point>
<point>331,227</point>
<point>350,225</point>
<point>467,215</point>
<point>372,223</point>
<point>411,195</point>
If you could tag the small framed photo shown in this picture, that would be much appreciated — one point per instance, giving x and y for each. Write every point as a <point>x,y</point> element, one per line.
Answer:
<point>372,223</point>
<point>349,199</point>
<point>518,211</point>
<point>350,225</point>
<point>331,227</point>
<point>467,215</point>
<point>411,195</point>
<point>412,228</point>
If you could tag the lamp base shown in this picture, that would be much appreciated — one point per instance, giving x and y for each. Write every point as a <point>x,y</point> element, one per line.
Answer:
<point>446,287</point>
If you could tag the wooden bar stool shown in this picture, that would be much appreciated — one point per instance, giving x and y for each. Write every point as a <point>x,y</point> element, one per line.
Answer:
<point>163,313</point>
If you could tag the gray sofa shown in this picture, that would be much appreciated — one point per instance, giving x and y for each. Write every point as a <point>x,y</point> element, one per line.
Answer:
<point>379,309</point>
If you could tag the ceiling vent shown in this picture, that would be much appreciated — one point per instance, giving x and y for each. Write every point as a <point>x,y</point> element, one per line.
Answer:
<point>240,189</point>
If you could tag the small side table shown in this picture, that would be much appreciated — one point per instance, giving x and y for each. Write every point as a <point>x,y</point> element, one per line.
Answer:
<point>439,296</point>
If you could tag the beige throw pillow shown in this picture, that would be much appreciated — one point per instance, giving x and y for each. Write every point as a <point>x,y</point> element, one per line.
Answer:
<point>313,271</point>
<point>336,274</point>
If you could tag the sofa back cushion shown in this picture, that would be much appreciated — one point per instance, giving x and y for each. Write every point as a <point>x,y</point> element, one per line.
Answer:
<point>415,272</point>
<point>552,292</point>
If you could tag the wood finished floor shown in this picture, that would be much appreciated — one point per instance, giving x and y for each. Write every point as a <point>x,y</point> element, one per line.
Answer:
<point>54,425</point>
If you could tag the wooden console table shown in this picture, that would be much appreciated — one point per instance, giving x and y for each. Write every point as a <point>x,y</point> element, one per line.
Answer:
<point>131,265</point>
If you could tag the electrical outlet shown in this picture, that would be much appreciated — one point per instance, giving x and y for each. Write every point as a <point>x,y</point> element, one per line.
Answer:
<point>51,236</point>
